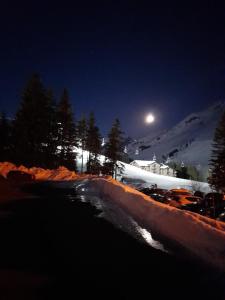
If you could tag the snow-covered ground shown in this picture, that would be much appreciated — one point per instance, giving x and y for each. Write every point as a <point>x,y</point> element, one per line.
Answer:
<point>201,236</point>
<point>61,173</point>
<point>112,212</point>
<point>189,141</point>
<point>136,176</point>
<point>85,154</point>
<point>132,175</point>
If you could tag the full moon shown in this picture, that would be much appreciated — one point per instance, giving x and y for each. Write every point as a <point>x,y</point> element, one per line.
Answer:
<point>149,119</point>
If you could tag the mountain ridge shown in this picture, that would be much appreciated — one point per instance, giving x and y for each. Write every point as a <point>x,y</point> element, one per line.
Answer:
<point>189,141</point>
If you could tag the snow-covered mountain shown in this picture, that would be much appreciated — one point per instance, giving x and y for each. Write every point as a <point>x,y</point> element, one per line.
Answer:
<point>189,141</point>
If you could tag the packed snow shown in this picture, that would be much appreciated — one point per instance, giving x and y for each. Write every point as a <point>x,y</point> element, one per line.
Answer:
<point>61,173</point>
<point>201,236</point>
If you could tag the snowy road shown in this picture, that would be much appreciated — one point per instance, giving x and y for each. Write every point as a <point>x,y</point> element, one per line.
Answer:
<point>168,258</point>
<point>115,215</point>
<point>199,235</point>
<point>60,236</point>
<point>77,242</point>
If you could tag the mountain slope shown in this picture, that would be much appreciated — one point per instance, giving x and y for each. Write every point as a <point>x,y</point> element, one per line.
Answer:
<point>189,141</point>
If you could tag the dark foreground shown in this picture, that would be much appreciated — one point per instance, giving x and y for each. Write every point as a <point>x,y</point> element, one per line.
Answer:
<point>54,248</point>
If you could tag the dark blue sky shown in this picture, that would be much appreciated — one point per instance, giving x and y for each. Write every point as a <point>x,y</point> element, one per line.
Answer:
<point>117,58</point>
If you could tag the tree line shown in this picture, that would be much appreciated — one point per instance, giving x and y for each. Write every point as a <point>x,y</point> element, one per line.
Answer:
<point>44,133</point>
<point>189,172</point>
<point>217,162</point>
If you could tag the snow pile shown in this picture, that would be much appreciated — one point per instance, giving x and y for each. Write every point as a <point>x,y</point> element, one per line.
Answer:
<point>61,173</point>
<point>5,167</point>
<point>201,236</point>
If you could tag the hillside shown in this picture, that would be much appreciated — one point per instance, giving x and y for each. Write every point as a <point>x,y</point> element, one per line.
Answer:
<point>189,141</point>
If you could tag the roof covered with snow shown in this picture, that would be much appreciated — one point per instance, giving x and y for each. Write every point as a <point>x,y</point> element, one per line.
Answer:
<point>143,163</point>
<point>164,166</point>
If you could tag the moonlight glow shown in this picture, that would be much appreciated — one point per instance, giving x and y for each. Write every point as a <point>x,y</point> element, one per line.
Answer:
<point>149,119</point>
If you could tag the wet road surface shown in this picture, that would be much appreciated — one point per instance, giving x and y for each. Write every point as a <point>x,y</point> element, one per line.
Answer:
<point>54,247</point>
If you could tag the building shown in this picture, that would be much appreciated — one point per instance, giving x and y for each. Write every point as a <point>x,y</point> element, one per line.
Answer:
<point>167,171</point>
<point>154,167</point>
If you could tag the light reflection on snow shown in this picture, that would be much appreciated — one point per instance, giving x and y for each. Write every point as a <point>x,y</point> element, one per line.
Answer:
<point>82,198</point>
<point>148,238</point>
<point>79,186</point>
<point>117,216</point>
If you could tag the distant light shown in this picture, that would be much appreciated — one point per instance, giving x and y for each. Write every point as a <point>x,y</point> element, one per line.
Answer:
<point>149,119</point>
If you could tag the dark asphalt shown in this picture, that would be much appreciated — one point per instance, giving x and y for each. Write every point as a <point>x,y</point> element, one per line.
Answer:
<point>52,247</point>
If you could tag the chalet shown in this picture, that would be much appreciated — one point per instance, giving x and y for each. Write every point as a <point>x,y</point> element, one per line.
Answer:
<point>154,167</point>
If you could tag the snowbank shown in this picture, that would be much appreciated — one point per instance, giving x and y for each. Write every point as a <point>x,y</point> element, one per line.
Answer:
<point>201,236</point>
<point>166,182</point>
<point>61,173</point>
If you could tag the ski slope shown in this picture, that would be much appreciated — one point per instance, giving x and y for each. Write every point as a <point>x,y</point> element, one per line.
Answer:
<point>189,141</point>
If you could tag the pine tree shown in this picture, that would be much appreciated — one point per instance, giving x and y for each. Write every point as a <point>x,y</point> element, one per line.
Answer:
<point>5,138</point>
<point>93,145</point>
<point>113,149</point>
<point>66,133</point>
<point>32,125</point>
<point>51,150</point>
<point>82,138</point>
<point>182,172</point>
<point>124,155</point>
<point>180,169</point>
<point>193,173</point>
<point>217,162</point>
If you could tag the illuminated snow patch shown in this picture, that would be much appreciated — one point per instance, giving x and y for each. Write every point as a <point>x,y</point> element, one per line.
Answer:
<point>148,238</point>
<point>116,216</point>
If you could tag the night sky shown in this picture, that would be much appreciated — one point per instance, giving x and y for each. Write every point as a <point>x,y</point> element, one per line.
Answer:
<point>117,58</point>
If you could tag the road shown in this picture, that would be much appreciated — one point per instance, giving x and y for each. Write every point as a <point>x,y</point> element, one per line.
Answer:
<point>54,245</point>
